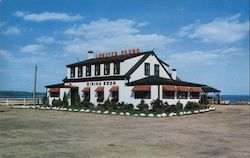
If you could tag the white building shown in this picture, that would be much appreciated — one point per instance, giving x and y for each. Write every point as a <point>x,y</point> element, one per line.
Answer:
<point>128,78</point>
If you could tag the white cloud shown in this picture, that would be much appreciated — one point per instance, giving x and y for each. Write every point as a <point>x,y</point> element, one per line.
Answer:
<point>45,16</point>
<point>32,48</point>
<point>8,30</point>
<point>4,54</point>
<point>220,30</point>
<point>106,35</point>
<point>45,39</point>
<point>200,57</point>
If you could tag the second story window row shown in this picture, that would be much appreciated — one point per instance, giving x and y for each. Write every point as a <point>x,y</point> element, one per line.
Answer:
<point>97,70</point>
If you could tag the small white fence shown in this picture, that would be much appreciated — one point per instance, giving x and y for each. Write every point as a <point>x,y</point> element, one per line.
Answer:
<point>20,101</point>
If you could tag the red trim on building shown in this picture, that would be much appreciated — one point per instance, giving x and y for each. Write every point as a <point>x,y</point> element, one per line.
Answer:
<point>54,90</point>
<point>184,89</point>
<point>99,89</point>
<point>86,89</point>
<point>169,88</point>
<point>114,89</point>
<point>142,88</point>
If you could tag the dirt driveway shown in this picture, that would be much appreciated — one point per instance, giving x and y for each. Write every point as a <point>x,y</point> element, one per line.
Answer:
<point>41,133</point>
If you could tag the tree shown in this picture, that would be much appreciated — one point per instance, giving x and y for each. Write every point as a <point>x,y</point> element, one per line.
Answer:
<point>77,100</point>
<point>65,100</point>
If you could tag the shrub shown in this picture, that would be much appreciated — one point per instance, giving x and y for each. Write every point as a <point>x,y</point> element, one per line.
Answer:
<point>65,102</point>
<point>203,100</point>
<point>77,100</point>
<point>45,100</point>
<point>86,104</point>
<point>157,105</point>
<point>109,105</point>
<point>192,106</point>
<point>121,106</point>
<point>142,106</point>
<point>179,106</point>
<point>166,105</point>
<point>171,108</point>
<point>57,102</point>
<point>129,107</point>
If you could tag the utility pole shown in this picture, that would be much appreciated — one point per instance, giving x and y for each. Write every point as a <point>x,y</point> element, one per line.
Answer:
<point>34,92</point>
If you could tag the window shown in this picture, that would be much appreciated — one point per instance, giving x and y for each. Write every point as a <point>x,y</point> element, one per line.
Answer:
<point>72,72</point>
<point>115,97</point>
<point>157,70</point>
<point>88,70</point>
<point>80,71</point>
<point>54,94</point>
<point>97,70</point>
<point>100,97</point>
<point>168,94</point>
<point>87,96</point>
<point>147,69</point>
<point>182,95</point>
<point>142,95</point>
<point>194,95</point>
<point>116,68</point>
<point>106,69</point>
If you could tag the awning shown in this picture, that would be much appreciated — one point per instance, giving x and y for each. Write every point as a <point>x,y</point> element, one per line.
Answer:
<point>196,89</point>
<point>54,90</point>
<point>86,90</point>
<point>114,89</point>
<point>99,89</point>
<point>184,89</point>
<point>142,88</point>
<point>69,86</point>
<point>169,88</point>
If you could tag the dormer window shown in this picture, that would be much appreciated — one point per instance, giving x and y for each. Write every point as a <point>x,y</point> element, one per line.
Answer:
<point>157,70</point>
<point>88,70</point>
<point>106,69</point>
<point>97,70</point>
<point>79,71</point>
<point>72,72</point>
<point>147,69</point>
<point>116,68</point>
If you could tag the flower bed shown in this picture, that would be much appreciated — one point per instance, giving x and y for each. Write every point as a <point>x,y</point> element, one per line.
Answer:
<point>136,113</point>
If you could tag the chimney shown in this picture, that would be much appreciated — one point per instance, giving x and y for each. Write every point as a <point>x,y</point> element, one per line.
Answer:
<point>90,55</point>
<point>173,74</point>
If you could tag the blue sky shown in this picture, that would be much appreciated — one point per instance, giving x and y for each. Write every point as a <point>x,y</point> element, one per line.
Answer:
<point>206,41</point>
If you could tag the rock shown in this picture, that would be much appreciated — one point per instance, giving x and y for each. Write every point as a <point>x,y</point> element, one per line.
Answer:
<point>121,113</point>
<point>105,112</point>
<point>189,112</point>
<point>150,115</point>
<point>158,115</point>
<point>127,114</point>
<point>42,108</point>
<point>75,110</point>
<point>171,114</point>
<point>82,110</point>
<point>98,112</point>
<point>69,109</point>
<point>196,111</point>
<point>136,115</point>
<point>113,113</point>
<point>142,114</point>
<point>201,110</point>
<point>87,110</point>
<point>32,107</point>
<point>180,113</point>
<point>163,114</point>
<point>93,111</point>
<point>184,112</point>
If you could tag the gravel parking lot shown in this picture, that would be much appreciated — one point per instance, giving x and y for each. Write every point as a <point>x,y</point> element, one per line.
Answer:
<point>46,133</point>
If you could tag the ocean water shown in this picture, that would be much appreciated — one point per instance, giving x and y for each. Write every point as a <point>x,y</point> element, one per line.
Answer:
<point>234,99</point>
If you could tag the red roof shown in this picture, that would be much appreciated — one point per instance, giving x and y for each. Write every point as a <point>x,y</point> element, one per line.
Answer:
<point>142,88</point>
<point>196,89</point>
<point>54,90</point>
<point>99,89</point>
<point>169,88</point>
<point>86,89</point>
<point>114,89</point>
<point>184,89</point>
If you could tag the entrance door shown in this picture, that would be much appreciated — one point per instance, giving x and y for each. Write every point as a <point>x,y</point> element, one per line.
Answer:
<point>74,92</point>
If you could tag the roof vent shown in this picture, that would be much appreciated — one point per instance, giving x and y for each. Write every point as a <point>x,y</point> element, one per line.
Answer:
<point>90,54</point>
